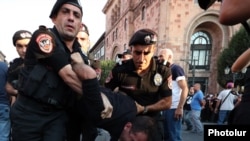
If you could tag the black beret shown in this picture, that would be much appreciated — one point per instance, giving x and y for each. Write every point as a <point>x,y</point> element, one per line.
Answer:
<point>84,28</point>
<point>143,37</point>
<point>95,64</point>
<point>127,51</point>
<point>21,34</point>
<point>59,3</point>
<point>205,4</point>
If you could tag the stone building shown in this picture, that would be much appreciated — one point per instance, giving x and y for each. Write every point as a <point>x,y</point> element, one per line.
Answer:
<point>195,35</point>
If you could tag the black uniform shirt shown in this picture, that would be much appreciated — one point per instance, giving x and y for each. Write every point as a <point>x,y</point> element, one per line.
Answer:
<point>143,89</point>
<point>54,60</point>
<point>58,58</point>
<point>14,69</point>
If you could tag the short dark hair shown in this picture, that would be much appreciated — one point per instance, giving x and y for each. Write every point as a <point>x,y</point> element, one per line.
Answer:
<point>145,124</point>
<point>59,4</point>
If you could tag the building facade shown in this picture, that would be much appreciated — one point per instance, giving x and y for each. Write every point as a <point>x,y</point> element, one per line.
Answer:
<point>195,36</point>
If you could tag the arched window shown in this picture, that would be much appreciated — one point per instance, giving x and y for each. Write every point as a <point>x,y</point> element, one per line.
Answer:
<point>200,51</point>
<point>125,24</point>
<point>124,46</point>
<point>116,33</point>
<point>143,13</point>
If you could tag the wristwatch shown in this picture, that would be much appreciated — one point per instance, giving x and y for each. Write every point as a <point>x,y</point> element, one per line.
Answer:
<point>145,110</point>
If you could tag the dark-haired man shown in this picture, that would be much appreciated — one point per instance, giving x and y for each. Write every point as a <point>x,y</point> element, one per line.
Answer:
<point>123,125</point>
<point>48,85</point>
<point>21,39</point>
<point>83,38</point>
<point>142,78</point>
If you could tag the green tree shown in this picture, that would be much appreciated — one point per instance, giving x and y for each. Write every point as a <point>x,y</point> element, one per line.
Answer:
<point>106,66</point>
<point>237,45</point>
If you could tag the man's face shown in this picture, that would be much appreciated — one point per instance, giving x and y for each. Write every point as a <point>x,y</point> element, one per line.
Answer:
<point>162,56</point>
<point>142,56</point>
<point>68,21</point>
<point>83,39</point>
<point>21,47</point>
<point>127,135</point>
<point>191,90</point>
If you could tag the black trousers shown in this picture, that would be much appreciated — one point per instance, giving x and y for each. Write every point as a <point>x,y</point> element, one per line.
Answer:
<point>35,121</point>
<point>79,128</point>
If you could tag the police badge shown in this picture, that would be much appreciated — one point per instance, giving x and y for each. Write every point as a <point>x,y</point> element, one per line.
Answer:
<point>147,39</point>
<point>157,79</point>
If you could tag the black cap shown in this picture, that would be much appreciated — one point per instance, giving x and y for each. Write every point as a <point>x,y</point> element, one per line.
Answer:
<point>95,64</point>
<point>143,37</point>
<point>59,3</point>
<point>205,4</point>
<point>84,28</point>
<point>21,34</point>
<point>127,51</point>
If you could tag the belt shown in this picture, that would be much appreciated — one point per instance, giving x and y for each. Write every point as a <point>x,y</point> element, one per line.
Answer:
<point>33,103</point>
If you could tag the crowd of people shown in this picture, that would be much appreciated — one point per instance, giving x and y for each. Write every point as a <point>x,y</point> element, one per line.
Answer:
<point>52,91</point>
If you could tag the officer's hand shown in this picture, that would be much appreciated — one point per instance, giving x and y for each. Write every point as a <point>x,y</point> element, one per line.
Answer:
<point>107,112</point>
<point>139,107</point>
<point>76,58</point>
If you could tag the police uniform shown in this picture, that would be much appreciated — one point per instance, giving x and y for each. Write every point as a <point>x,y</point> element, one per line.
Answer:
<point>17,63</point>
<point>147,89</point>
<point>13,71</point>
<point>40,110</point>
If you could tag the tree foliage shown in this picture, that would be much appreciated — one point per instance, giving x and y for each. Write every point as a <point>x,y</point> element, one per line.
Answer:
<point>237,45</point>
<point>106,66</point>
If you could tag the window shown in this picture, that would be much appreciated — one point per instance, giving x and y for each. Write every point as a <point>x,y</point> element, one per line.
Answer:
<point>143,13</point>
<point>102,51</point>
<point>125,24</point>
<point>113,35</point>
<point>200,50</point>
<point>116,33</point>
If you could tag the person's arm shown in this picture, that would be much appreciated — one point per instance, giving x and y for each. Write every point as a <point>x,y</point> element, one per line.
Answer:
<point>71,79</point>
<point>183,85</point>
<point>11,90</point>
<point>202,103</point>
<point>91,88</point>
<point>241,62</point>
<point>234,11</point>
<point>161,105</point>
<point>217,106</point>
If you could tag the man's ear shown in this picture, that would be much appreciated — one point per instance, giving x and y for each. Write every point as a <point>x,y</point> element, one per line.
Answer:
<point>128,126</point>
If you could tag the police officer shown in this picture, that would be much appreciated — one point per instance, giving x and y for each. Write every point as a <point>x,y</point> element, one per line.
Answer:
<point>47,78</point>
<point>142,78</point>
<point>120,124</point>
<point>20,40</point>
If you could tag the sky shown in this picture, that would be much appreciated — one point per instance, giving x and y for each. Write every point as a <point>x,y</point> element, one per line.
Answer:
<point>29,14</point>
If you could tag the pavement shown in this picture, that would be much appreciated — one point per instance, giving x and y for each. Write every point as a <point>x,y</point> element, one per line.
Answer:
<point>188,136</point>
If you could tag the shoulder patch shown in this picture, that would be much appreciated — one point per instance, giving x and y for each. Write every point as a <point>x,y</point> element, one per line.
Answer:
<point>44,42</point>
